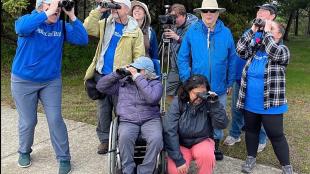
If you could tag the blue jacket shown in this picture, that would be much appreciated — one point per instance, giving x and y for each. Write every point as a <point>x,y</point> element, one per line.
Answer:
<point>215,60</point>
<point>39,46</point>
<point>153,51</point>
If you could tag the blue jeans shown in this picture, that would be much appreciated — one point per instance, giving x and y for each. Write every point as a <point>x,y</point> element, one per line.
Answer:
<point>238,119</point>
<point>26,95</point>
<point>218,133</point>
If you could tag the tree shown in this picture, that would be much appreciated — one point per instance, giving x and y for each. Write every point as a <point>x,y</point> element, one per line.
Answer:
<point>11,10</point>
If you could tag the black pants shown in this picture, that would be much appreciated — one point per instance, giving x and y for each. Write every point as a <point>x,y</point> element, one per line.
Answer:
<point>273,125</point>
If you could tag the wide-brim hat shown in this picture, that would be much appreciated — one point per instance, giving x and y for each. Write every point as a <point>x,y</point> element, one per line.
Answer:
<point>270,7</point>
<point>144,6</point>
<point>209,5</point>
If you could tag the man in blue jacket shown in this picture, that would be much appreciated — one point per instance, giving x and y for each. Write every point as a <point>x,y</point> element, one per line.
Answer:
<point>210,44</point>
<point>36,75</point>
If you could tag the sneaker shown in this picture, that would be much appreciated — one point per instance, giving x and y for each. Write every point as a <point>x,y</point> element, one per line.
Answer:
<point>103,148</point>
<point>64,167</point>
<point>218,154</point>
<point>24,160</point>
<point>249,165</point>
<point>288,169</point>
<point>261,147</point>
<point>230,141</point>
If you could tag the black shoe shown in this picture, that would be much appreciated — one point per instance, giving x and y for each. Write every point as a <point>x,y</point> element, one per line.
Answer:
<point>218,154</point>
<point>103,148</point>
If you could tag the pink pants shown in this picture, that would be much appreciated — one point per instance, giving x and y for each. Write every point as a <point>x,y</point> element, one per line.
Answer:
<point>202,153</point>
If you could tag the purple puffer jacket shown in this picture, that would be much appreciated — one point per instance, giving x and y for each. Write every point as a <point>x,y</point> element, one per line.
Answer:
<point>138,100</point>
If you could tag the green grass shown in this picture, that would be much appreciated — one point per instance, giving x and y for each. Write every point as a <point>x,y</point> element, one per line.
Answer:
<point>77,106</point>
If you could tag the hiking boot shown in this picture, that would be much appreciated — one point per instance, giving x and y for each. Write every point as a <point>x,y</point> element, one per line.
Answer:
<point>24,160</point>
<point>288,169</point>
<point>230,141</point>
<point>218,154</point>
<point>64,167</point>
<point>103,148</point>
<point>261,147</point>
<point>249,165</point>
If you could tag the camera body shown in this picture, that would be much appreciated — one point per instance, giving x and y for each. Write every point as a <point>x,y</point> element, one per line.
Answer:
<point>123,72</point>
<point>67,4</point>
<point>209,96</point>
<point>167,19</point>
<point>260,23</point>
<point>109,5</point>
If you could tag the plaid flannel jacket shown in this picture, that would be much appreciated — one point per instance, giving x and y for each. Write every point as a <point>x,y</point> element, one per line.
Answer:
<point>274,75</point>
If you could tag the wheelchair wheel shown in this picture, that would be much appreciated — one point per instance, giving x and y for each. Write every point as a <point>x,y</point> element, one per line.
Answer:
<point>161,165</point>
<point>113,157</point>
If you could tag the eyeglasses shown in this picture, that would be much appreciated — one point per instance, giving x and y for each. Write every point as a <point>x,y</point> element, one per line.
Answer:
<point>208,10</point>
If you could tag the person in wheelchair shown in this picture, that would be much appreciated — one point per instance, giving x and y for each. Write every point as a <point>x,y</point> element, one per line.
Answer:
<point>188,127</point>
<point>139,91</point>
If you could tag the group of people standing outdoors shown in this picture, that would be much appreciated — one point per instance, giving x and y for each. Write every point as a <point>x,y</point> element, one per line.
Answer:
<point>203,58</point>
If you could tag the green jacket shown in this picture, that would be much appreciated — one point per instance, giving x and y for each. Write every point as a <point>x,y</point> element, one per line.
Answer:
<point>130,46</point>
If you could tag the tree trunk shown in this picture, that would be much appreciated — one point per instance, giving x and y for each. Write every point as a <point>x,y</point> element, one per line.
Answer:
<point>308,31</point>
<point>289,23</point>
<point>296,22</point>
<point>31,6</point>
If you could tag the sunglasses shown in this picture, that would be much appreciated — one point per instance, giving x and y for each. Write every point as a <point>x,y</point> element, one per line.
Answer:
<point>206,11</point>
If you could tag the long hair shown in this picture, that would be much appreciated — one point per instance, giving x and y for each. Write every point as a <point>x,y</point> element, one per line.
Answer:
<point>193,82</point>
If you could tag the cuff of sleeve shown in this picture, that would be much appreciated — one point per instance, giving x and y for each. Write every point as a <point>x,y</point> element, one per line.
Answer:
<point>134,77</point>
<point>180,162</point>
<point>267,38</point>
<point>179,40</point>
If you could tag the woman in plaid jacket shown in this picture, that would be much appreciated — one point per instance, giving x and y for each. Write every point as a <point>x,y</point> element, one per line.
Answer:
<point>262,91</point>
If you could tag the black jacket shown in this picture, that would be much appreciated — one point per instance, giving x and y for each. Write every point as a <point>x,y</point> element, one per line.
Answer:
<point>189,125</point>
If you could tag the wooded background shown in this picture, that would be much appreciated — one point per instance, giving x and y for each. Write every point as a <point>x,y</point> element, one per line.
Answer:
<point>294,14</point>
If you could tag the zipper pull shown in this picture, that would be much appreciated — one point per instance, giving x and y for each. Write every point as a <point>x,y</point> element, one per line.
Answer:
<point>209,37</point>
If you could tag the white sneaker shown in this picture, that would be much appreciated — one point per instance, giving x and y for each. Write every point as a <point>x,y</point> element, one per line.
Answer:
<point>261,147</point>
<point>230,141</point>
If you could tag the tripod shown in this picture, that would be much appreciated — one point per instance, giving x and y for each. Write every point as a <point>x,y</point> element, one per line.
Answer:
<point>164,49</point>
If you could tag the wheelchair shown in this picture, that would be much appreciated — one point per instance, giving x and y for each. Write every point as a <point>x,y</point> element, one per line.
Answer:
<point>140,150</point>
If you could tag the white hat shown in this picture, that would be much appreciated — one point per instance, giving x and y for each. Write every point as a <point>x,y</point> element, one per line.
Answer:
<point>209,5</point>
<point>39,2</point>
<point>126,2</point>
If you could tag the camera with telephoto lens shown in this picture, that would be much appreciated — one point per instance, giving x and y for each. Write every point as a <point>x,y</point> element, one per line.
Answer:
<point>259,23</point>
<point>67,4</point>
<point>167,20</point>
<point>209,96</point>
<point>109,5</point>
<point>123,72</point>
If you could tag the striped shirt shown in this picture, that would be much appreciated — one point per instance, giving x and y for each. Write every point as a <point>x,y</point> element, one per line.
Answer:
<point>274,74</point>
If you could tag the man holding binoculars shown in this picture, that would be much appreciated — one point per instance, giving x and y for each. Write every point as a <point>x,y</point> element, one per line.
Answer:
<point>120,42</point>
<point>36,75</point>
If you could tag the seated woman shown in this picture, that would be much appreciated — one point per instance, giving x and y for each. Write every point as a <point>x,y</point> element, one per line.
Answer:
<point>139,92</point>
<point>188,127</point>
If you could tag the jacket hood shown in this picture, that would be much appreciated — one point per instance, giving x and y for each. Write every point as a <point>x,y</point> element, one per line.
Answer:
<point>190,19</point>
<point>131,25</point>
